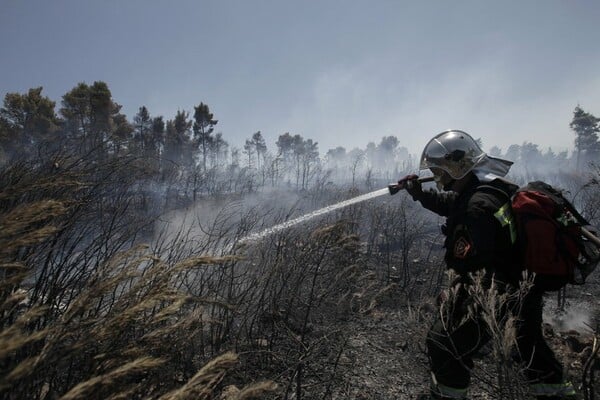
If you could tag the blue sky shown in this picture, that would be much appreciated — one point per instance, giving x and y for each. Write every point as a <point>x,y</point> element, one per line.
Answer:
<point>338,72</point>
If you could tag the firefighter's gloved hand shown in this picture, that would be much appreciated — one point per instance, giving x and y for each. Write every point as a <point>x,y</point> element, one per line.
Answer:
<point>412,185</point>
<point>407,181</point>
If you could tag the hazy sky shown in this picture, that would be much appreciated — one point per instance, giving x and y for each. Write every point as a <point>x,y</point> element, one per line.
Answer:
<point>338,72</point>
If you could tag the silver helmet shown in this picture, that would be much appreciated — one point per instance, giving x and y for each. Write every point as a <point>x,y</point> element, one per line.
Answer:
<point>454,152</point>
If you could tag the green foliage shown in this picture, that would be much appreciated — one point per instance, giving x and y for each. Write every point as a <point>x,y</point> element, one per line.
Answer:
<point>178,146</point>
<point>26,121</point>
<point>586,127</point>
<point>204,124</point>
<point>94,120</point>
<point>148,139</point>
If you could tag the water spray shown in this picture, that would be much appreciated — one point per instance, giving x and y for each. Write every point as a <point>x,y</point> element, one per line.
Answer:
<point>391,189</point>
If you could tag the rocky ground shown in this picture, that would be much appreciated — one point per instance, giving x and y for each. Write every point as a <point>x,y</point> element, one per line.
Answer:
<point>385,357</point>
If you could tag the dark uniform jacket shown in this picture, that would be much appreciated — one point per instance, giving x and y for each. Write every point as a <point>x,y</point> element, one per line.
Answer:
<point>476,238</point>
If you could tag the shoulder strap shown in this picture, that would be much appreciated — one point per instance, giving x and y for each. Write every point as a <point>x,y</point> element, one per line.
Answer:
<point>494,189</point>
<point>504,214</point>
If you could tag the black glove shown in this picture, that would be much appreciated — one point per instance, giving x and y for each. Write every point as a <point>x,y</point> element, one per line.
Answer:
<point>412,185</point>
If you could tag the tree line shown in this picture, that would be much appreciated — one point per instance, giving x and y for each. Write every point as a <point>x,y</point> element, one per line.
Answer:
<point>186,147</point>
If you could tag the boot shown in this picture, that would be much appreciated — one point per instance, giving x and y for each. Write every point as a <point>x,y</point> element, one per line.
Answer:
<point>432,396</point>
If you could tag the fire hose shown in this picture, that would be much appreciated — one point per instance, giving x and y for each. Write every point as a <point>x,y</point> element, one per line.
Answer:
<point>590,236</point>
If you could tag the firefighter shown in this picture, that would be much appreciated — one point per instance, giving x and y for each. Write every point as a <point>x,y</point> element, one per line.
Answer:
<point>479,237</point>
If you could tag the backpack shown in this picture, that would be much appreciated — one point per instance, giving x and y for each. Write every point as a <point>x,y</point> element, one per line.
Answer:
<point>551,237</point>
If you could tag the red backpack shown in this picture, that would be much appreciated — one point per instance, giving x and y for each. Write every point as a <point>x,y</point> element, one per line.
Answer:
<point>551,237</point>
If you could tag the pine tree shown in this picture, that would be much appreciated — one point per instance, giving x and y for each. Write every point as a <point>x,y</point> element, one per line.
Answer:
<point>28,121</point>
<point>203,128</point>
<point>586,128</point>
<point>142,123</point>
<point>92,117</point>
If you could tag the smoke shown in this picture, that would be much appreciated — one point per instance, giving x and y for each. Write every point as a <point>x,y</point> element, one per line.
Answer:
<point>307,217</point>
<point>209,225</point>
<point>575,317</point>
<point>213,226</point>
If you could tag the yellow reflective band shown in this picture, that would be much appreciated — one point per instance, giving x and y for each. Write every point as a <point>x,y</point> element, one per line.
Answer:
<point>504,215</point>
<point>553,389</point>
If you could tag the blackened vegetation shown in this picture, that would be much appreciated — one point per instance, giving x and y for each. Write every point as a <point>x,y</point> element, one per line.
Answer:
<point>93,305</point>
<point>113,287</point>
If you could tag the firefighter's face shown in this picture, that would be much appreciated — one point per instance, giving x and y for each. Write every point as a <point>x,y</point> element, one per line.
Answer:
<point>442,179</point>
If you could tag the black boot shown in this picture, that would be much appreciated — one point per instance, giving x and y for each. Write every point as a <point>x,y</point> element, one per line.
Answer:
<point>432,396</point>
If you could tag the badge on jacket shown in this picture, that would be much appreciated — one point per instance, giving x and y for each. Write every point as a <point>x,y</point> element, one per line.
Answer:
<point>462,247</point>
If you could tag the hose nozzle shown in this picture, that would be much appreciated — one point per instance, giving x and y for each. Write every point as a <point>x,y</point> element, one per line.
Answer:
<point>396,187</point>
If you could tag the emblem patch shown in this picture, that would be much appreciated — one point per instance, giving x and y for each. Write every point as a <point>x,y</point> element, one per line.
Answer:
<point>461,248</point>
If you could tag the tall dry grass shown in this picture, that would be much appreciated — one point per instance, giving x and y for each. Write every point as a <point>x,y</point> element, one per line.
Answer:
<point>85,312</point>
<point>93,307</point>
<point>499,373</point>
<point>499,308</point>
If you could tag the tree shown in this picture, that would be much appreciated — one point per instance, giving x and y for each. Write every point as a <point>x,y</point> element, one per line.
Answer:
<point>513,152</point>
<point>387,151</point>
<point>310,157</point>
<point>5,142</point>
<point>586,128</point>
<point>90,114</point>
<point>249,150</point>
<point>385,154</point>
<point>402,153</point>
<point>549,157</point>
<point>371,154</point>
<point>121,135</point>
<point>495,151</point>
<point>336,157</point>
<point>218,149</point>
<point>142,123</point>
<point>177,140</point>
<point>530,155</point>
<point>292,150</point>
<point>284,145</point>
<point>257,142</point>
<point>103,108</point>
<point>76,110</point>
<point>158,134</point>
<point>27,120</point>
<point>203,128</point>
<point>235,157</point>
<point>298,151</point>
<point>356,157</point>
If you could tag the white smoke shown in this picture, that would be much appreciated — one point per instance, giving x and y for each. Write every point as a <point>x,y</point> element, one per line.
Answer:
<point>575,317</point>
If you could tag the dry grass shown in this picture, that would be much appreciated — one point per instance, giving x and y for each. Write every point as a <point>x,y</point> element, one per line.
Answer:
<point>204,382</point>
<point>108,323</point>
<point>86,311</point>
<point>497,309</point>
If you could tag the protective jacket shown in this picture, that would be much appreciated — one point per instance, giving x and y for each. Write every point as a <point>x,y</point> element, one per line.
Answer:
<point>476,236</point>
